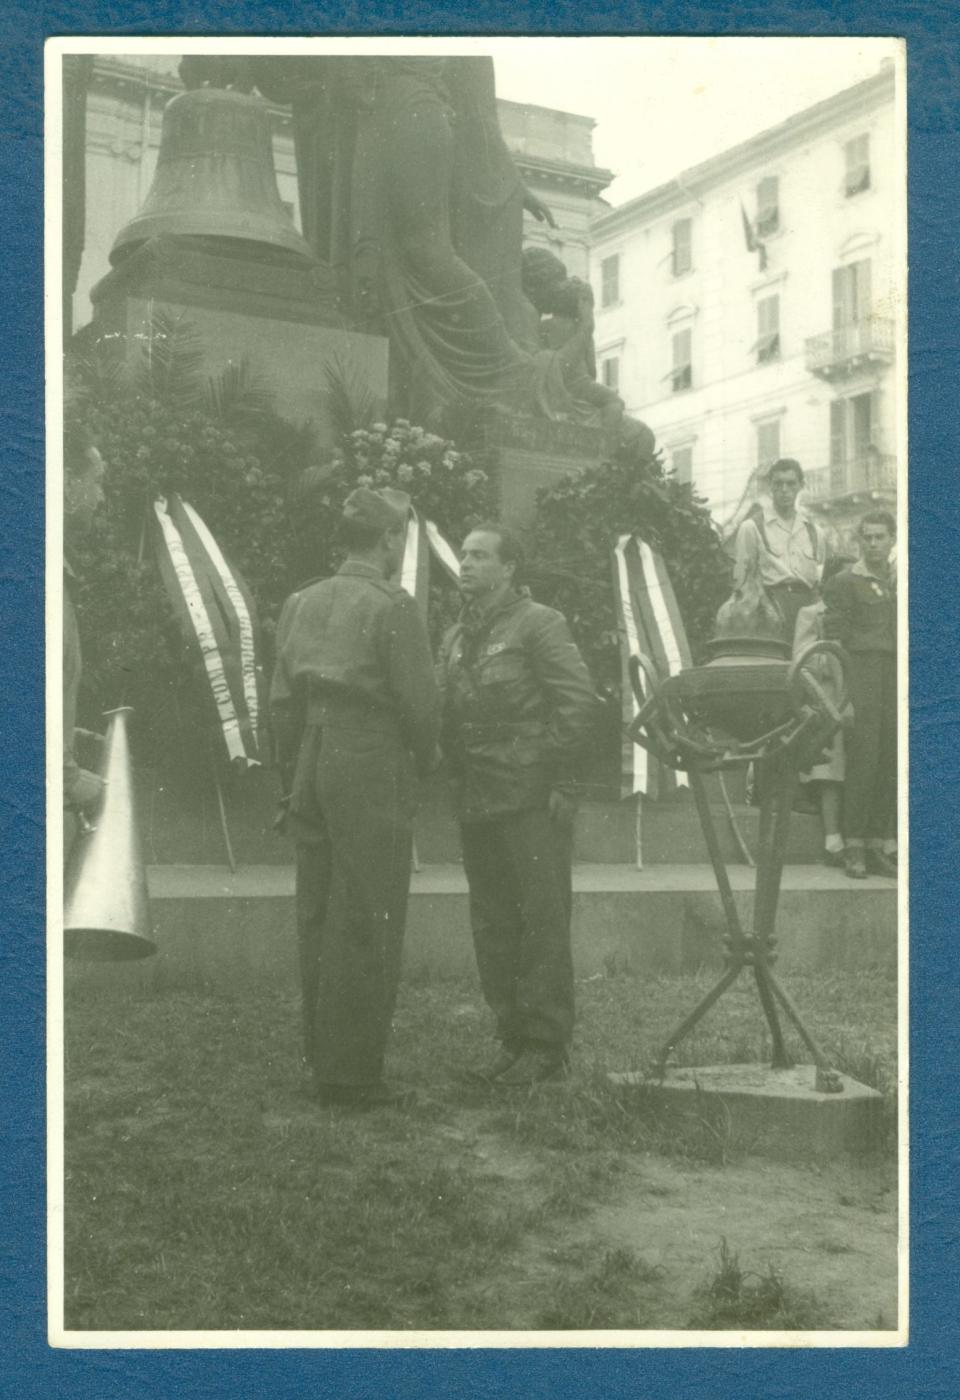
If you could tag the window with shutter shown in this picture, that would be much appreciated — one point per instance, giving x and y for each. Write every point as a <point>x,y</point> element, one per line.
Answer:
<point>681,373</point>
<point>682,254</point>
<point>610,280</point>
<point>841,298</point>
<point>861,411</point>
<point>768,206</point>
<point>768,443</point>
<point>768,329</point>
<point>681,462</point>
<point>861,283</point>
<point>856,154</point>
<point>876,431</point>
<point>610,372</point>
<point>851,294</point>
<point>838,432</point>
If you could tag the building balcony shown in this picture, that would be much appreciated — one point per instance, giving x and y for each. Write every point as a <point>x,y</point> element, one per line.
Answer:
<point>869,476</point>
<point>839,352</point>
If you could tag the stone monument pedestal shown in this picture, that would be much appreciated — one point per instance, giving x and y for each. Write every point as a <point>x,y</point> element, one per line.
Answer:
<point>278,313</point>
<point>535,453</point>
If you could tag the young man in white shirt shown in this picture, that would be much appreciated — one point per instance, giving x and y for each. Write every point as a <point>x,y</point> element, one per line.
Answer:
<point>783,546</point>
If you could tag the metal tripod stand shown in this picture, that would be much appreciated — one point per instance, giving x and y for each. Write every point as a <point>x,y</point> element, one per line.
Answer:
<point>678,733</point>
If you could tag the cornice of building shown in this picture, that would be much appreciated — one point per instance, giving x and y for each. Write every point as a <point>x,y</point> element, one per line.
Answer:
<point>577,118</point>
<point>131,79</point>
<point>592,178</point>
<point>132,82</point>
<point>841,106</point>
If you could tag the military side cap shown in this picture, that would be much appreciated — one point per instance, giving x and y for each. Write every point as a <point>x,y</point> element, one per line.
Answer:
<point>380,510</point>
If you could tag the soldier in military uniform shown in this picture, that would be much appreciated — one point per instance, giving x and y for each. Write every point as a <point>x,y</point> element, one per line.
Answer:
<point>356,712</point>
<point>519,708</point>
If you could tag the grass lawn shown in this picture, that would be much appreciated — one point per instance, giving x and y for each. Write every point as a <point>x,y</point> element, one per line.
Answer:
<point>203,1191</point>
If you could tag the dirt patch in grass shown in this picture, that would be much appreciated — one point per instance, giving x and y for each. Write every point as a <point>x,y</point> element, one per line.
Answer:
<point>204,1191</point>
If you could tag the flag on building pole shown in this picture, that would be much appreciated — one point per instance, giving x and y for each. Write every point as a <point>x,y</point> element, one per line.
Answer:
<point>648,621</point>
<point>754,244</point>
<point>217,618</point>
<point>749,237</point>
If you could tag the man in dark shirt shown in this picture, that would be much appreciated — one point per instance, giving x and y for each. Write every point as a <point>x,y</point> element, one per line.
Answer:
<point>355,710</point>
<point>861,614</point>
<point>519,706</point>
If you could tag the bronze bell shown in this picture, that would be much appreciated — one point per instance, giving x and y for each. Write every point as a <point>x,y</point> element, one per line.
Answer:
<point>215,177</point>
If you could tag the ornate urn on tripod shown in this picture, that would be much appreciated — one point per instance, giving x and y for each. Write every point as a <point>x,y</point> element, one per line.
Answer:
<point>750,703</point>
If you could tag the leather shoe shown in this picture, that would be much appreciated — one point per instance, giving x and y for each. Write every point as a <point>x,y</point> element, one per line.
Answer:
<point>833,858</point>
<point>853,865</point>
<point>502,1061</point>
<point>362,1096</point>
<point>533,1067</point>
<point>878,863</point>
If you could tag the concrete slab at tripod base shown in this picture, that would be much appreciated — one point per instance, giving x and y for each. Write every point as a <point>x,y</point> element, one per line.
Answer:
<point>767,1112</point>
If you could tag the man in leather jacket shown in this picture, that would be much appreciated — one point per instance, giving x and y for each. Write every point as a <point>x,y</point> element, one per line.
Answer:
<point>519,710</point>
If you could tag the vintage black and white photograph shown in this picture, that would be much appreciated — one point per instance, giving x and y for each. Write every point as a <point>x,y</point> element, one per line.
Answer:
<point>476,661</point>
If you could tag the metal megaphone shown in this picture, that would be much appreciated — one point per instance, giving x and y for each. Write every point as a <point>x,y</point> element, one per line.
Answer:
<point>106,913</point>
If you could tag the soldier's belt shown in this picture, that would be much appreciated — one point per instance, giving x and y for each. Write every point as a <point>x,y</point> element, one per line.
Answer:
<point>327,716</point>
<point>793,585</point>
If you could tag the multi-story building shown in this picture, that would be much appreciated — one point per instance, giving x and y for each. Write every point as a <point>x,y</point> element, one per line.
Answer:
<point>749,308</point>
<point>125,98</point>
<point>553,151</point>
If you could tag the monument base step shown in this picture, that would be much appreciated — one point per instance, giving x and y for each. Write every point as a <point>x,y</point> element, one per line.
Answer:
<point>182,825</point>
<point>214,928</point>
<point>776,1113</point>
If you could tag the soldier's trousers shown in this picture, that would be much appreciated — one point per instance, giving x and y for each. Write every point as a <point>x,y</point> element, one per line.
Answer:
<point>518,868</point>
<point>870,746</point>
<point>352,888</point>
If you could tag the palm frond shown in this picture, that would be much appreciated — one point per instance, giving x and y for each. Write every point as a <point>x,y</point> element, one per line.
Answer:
<point>95,368</point>
<point>238,391</point>
<point>350,402</point>
<point>169,367</point>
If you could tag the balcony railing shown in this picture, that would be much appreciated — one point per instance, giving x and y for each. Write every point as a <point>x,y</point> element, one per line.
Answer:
<point>839,351</point>
<point>875,472</point>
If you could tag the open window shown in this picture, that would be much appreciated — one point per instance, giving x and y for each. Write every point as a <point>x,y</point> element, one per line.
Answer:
<point>856,155</point>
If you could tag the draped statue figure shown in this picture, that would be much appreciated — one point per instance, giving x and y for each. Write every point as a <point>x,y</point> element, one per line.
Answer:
<point>565,377</point>
<point>407,189</point>
<point>409,193</point>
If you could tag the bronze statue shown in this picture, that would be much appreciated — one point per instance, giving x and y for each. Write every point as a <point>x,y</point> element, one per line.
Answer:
<point>408,191</point>
<point>566,371</point>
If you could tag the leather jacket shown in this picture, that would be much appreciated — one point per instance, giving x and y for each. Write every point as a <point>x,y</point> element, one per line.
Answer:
<point>519,707</point>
